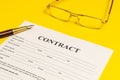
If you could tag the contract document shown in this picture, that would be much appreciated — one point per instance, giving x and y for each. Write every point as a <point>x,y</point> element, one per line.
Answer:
<point>44,54</point>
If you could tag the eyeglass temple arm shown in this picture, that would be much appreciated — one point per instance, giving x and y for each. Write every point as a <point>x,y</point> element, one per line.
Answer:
<point>110,9</point>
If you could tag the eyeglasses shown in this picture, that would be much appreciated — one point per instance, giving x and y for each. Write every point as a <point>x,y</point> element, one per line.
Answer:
<point>82,20</point>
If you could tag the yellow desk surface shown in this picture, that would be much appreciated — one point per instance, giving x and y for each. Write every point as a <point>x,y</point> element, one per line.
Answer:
<point>14,12</point>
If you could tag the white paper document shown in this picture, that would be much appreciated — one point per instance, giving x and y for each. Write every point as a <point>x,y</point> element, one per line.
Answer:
<point>44,54</point>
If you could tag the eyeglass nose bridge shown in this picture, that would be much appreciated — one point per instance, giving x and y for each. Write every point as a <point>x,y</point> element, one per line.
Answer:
<point>73,17</point>
<point>73,14</point>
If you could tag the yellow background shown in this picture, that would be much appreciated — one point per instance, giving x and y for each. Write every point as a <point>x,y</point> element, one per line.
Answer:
<point>14,12</point>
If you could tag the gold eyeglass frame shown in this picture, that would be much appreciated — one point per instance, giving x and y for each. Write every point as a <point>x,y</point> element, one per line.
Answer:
<point>103,21</point>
